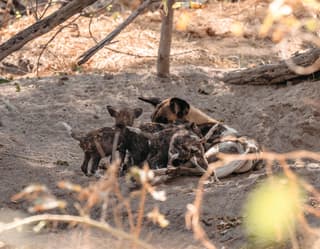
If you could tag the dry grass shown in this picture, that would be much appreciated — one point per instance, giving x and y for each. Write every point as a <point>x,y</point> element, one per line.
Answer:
<point>136,47</point>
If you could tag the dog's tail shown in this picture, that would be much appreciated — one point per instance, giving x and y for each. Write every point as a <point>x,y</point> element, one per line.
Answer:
<point>75,135</point>
<point>152,100</point>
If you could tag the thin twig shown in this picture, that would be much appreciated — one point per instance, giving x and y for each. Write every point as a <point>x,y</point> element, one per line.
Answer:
<point>87,55</point>
<point>272,156</point>
<point>192,216</point>
<point>46,9</point>
<point>126,203</point>
<point>50,40</point>
<point>152,56</point>
<point>76,219</point>
<point>90,32</point>
<point>143,196</point>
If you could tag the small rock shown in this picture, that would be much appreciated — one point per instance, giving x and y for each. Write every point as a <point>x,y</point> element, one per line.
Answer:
<point>203,91</point>
<point>108,76</point>
<point>62,163</point>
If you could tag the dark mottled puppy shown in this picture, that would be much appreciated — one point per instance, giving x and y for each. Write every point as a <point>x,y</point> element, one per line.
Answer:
<point>99,143</point>
<point>172,144</point>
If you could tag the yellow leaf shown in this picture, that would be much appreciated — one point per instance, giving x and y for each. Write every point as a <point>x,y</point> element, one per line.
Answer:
<point>273,208</point>
<point>237,29</point>
<point>182,22</point>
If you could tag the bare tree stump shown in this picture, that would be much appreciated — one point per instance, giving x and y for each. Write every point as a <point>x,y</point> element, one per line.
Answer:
<point>274,73</point>
<point>163,63</point>
<point>43,26</point>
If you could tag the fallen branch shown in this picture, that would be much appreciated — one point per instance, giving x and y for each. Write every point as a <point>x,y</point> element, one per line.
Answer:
<point>276,73</point>
<point>88,54</point>
<point>43,26</point>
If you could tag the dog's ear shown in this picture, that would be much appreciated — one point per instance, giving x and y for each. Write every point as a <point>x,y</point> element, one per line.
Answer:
<point>137,112</point>
<point>152,100</point>
<point>179,107</point>
<point>113,112</point>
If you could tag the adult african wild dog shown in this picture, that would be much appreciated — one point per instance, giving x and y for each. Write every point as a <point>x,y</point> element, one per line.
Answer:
<point>97,144</point>
<point>176,109</point>
<point>222,137</point>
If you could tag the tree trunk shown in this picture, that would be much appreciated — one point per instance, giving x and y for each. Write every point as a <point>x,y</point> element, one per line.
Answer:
<point>42,26</point>
<point>163,63</point>
<point>275,73</point>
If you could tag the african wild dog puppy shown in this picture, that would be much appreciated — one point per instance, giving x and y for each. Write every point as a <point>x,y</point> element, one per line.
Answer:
<point>186,150</point>
<point>99,143</point>
<point>137,143</point>
<point>172,144</point>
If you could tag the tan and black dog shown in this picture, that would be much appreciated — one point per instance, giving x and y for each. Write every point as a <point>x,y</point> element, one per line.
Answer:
<point>176,109</point>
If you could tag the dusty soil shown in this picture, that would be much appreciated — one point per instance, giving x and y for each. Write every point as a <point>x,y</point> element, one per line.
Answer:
<point>281,118</point>
<point>32,142</point>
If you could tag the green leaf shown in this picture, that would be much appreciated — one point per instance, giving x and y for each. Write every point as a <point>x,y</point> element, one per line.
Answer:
<point>2,80</point>
<point>273,209</point>
<point>18,88</point>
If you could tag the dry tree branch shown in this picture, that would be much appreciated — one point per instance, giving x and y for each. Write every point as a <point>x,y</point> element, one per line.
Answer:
<point>87,55</point>
<point>133,54</point>
<point>143,196</point>
<point>192,216</point>
<point>75,219</point>
<point>304,63</point>
<point>48,4</point>
<point>50,40</point>
<point>42,26</point>
<point>299,154</point>
<point>89,29</point>
<point>35,10</point>
<point>309,69</point>
<point>126,203</point>
<point>153,56</point>
<point>91,15</point>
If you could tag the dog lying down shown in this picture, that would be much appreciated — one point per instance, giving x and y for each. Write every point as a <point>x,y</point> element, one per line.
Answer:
<point>220,138</point>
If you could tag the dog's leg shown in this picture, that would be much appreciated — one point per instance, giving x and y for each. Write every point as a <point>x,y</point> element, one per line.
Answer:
<point>194,161</point>
<point>84,166</point>
<point>95,163</point>
<point>210,132</point>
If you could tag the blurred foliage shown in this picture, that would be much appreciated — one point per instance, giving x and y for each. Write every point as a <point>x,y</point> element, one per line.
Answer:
<point>287,16</point>
<point>273,209</point>
<point>2,80</point>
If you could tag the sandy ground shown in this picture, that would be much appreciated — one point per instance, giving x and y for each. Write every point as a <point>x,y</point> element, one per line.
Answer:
<point>32,143</point>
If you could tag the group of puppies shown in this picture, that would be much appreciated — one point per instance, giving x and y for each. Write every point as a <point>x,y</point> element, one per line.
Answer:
<point>179,136</point>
